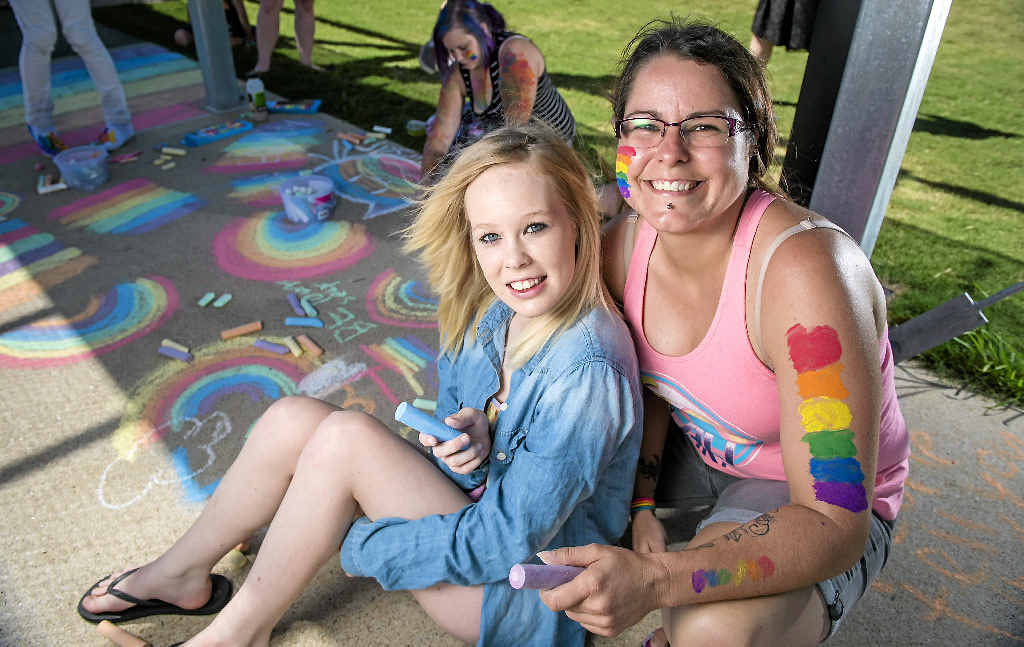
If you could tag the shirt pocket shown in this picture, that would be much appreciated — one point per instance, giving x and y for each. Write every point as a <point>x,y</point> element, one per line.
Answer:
<point>506,443</point>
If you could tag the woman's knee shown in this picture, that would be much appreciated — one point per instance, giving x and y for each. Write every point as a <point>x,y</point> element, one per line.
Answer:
<point>722,624</point>
<point>41,41</point>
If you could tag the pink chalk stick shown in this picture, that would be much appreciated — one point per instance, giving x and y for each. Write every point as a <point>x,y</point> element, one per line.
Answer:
<point>541,576</point>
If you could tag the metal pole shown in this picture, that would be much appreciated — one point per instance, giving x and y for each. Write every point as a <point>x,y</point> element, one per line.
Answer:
<point>213,48</point>
<point>884,65</point>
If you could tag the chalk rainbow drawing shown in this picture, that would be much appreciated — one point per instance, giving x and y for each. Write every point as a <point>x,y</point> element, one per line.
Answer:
<point>32,261</point>
<point>260,191</point>
<point>392,300</point>
<point>128,311</point>
<point>8,203</point>
<point>405,356</point>
<point>380,176</point>
<point>133,207</point>
<point>270,247</point>
<point>178,409</point>
<point>826,419</point>
<point>279,145</point>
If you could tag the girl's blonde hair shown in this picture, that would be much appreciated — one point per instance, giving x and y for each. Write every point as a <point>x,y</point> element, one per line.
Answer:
<point>440,236</point>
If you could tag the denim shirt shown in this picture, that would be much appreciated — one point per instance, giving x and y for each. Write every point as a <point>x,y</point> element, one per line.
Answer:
<point>560,473</point>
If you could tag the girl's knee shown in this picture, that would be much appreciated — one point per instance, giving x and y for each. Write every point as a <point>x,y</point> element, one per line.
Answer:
<point>346,433</point>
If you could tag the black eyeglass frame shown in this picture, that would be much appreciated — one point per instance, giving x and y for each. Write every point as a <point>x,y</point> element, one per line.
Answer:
<point>735,125</point>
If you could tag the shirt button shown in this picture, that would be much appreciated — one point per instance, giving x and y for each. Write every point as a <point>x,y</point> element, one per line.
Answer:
<point>501,456</point>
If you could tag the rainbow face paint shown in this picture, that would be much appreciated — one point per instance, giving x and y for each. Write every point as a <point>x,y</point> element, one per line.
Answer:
<point>826,419</point>
<point>623,159</point>
<point>754,570</point>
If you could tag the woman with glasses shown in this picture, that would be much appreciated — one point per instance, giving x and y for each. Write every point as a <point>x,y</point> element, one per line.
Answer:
<point>761,333</point>
<point>502,80</point>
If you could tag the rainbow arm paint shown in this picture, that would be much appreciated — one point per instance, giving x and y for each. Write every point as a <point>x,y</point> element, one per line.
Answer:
<point>826,418</point>
<point>518,88</point>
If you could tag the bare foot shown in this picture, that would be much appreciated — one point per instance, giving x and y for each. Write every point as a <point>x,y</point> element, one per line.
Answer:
<point>188,591</point>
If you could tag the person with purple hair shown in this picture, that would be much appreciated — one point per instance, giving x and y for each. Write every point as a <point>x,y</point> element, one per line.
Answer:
<point>502,80</point>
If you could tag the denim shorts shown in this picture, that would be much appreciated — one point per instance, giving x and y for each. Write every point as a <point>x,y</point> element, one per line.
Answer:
<point>688,482</point>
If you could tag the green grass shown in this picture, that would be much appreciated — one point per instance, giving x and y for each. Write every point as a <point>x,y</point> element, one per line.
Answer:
<point>954,220</point>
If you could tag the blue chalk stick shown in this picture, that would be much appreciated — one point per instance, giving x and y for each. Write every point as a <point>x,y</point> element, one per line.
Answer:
<point>311,322</point>
<point>307,307</point>
<point>174,353</point>
<point>293,299</point>
<point>222,300</point>
<point>423,421</point>
<point>271,346</point>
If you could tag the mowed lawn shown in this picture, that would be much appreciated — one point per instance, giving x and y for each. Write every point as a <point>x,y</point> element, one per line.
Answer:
<point>954,221</point>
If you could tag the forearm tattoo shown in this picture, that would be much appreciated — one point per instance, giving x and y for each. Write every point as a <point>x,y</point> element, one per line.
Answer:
<point>518,89</point>
<point>648,469</point>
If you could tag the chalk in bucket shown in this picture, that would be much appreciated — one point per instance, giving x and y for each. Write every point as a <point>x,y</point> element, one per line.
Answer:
<point>83,167</point>
<point>308,198</point>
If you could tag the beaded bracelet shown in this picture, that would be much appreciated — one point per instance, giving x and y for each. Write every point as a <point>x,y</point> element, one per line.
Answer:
<point>641,503</point>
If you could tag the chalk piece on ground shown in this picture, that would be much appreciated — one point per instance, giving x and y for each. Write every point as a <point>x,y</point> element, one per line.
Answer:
<point>293,300</point>
<point>310,322</point>
<point>161,160</point>
<point>168,166</point>
<point>271,346</point>
<point>307,307</point>
<point>222,300</point>
<point>382,129</point>
<point>170,150</point>
<point>174,353</point>
<point>541,576</point>
<point>205,299</point>
<point>43,187</point>
<point>309,345</point>
<point>119,636</point>
<point>170,343</point>
<point>292,346</point>
<point>426,405</point>
<point>424,422</point>
<point>244,329</point>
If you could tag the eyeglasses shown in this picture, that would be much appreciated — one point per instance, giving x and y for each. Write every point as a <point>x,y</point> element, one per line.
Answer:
<point>702,131</point>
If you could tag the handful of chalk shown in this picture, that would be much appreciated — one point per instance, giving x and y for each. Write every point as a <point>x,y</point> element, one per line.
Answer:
<point>424,422</point>
<point>541,576</point>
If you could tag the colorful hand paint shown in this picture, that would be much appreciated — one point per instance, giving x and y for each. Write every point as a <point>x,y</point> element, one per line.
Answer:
<point>623,159</point>
<point>746,570</point>
<point>826,419</point>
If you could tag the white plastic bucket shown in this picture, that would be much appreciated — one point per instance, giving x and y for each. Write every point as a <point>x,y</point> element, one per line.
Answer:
<point>308,198</point>
<point>83,167</point>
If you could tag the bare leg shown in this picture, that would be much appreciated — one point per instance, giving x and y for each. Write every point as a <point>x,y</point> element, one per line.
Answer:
<point>268,27</point>
<point>794,618</point>
<point>761,48</point>
<point>349,459</point>
<point>244,501</point>
<point>305,27</point>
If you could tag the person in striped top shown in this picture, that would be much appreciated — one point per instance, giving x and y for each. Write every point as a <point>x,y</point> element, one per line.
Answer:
<point>502,80</point>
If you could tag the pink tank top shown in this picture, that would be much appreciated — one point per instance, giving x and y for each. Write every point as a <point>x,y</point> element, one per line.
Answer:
<point>724,398</point>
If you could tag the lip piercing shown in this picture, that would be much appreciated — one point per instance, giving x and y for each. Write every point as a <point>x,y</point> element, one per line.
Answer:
<point>670,206</point>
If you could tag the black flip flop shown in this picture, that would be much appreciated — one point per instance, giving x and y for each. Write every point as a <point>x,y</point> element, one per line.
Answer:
<point>219,597</point>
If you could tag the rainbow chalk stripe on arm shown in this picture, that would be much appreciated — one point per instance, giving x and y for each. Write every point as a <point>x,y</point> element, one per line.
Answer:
<point>623,158</point>
<point>826,419</point>
<point>754,570</point>
<point>424,422</point>
<point>541,576</point>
